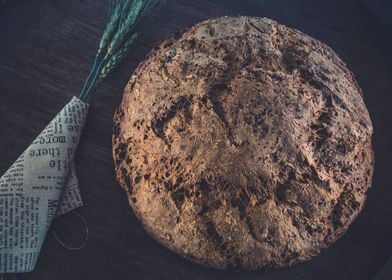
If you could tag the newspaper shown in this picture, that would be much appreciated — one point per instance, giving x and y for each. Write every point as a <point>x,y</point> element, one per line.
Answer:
<point>40,185</point>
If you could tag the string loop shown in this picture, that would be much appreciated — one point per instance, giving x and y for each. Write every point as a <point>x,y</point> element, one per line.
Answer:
<point>85,239</point>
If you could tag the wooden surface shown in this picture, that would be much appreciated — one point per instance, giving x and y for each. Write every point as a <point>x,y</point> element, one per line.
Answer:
<point>46,48</point>
<point>382,9</point>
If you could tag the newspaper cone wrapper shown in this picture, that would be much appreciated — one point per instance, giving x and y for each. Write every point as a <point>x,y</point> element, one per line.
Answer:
<point>40,185</point>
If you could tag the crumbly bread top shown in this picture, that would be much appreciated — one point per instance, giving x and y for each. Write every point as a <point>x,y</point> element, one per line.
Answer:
<point>243,143</point>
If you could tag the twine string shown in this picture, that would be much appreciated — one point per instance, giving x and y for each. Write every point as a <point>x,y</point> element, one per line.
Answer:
<point>83,245</point>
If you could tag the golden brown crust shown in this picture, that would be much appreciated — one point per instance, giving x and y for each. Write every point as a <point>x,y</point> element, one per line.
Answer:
<point>243,143</point>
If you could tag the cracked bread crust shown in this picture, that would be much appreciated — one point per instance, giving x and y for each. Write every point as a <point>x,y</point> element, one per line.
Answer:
<point>243,143</point>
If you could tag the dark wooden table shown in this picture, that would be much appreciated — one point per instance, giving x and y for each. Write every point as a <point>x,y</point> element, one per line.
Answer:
<point>46,48</point>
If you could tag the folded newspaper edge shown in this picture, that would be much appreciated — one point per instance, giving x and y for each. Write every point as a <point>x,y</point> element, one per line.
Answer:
<point>40,185</point>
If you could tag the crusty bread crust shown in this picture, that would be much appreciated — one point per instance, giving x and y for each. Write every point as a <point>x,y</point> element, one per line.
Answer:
<point>243,143</point>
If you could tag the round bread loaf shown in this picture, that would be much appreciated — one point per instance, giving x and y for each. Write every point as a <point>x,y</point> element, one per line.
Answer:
<point>243,143</point>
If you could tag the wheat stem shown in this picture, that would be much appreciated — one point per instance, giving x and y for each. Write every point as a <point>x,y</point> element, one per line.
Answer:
<point>87,94</point>
<point>88,80</point>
